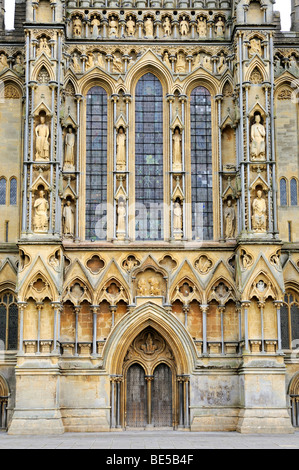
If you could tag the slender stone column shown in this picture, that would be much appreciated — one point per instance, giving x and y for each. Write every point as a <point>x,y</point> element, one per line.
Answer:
<point>246,305</point>
<point>39,306</point>
<point>186,401</point>
<point>204,309</point>
<point>77,309</point>
<point>78,99</point>
<point>112,310</point>
<point>57,308</point>
<point>261,307</point>
<point>149,379</point>
<point>278,304</point>
<point>21,307</point>
<point>221,309</point>
<point>186,309</point>
<point>180,401</point>
<point>95,311</point>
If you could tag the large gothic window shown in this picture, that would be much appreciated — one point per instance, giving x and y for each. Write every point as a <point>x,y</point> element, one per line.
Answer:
<point>96,164</point>
<point>2,191</point>
<point>149,158</point>
<point>201,164</point>
<point>290,321</point>
<point>8,322</point>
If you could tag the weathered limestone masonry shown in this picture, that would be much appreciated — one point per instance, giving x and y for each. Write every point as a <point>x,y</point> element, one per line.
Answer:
<point>187,318</point>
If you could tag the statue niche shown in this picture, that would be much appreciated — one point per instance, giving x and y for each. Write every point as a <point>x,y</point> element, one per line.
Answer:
<point>259,212</point>
<point>257,134</point>
<point>42,134</point>
<point>68,219</point>
<point>150,283</point>
<point>69,150</point>
<point>40,217</point>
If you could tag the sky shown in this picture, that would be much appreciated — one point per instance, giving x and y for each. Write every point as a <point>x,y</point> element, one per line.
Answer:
<point>284,6</point>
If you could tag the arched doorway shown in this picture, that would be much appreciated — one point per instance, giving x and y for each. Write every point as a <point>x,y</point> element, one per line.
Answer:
<point>4,394</point>
<point>149,383</point>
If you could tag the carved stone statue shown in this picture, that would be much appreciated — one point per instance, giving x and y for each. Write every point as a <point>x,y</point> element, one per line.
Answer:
<point>121,218</point>
<point>177,150</point>
<point>69,155</point>
<point>76,63</point>
<point>207,64</point>
<point>131,27</point>
<point>221,67</point>
<point>167,61</point>
<point>42,140</point>
<point>149,27</point>
<point>154,286</point>
<point>219,28</point>
<point>230,220</point>
<point>258,133</point>
<point>68,219</point>
<point>113,27</point>
<point>19,67</point>
<point>141,287</point>
<point>167,27</point>
<point>202,27</point>
<point>181,63</point>
<point>184,27</point>
<point>77,27</point>
<point>259,213</point>
<point>149,347</point>
<point>100,61</point>
<point>255,47</point>
<point>41,219</point>
<point>121,149</point>
<point>90,62</point>
<point>293,66</point>
<point>177,217</point>
<point>44,47</point>
<point>117,65</point>
<point>3,62</point>
<point>95,26</point>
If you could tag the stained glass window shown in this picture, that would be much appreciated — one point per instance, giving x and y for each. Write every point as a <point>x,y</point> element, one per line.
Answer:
<point>96,164</point>
<point>289,320</point>
<point>13,192</point>
<point>2,191</point>
<point>294,192</point>
<point>149,158</point>
<point>8,322</point>
<point>283,192</point>
<point>201,164</point>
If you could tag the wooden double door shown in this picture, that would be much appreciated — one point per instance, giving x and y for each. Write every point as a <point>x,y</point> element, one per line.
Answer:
<point>149,398</point>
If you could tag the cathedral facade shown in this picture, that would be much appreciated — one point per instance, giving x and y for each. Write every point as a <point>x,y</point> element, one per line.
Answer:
<point>149,218</point>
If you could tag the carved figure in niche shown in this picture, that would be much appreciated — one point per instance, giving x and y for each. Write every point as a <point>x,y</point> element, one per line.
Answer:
<point>197,61</point>
<point>100,61</point>
<point>76,63</point>
<point>131,27</point>
<point>3,62</point>
<point>149,347</point>
<point>177,150</point>
<point>177,216</point>
<point>207,64</point>
<point>154,286</point>
<point>221,67</point>
<point>90,61</point>
<point>117,64</point>
<point>219,28</point>
<point>246,260</point>
<point>255,48</point>
<point>230,220</point>
<point>69,148</point>
<point>258,133</point>
<point>293,67</point>
<point>68,219</point>
<point>167,61</point>
<point>130,263</point>
<point>181,63</point>
<point>204,264</point>
<point>167,27</point>
<point>41,219</point>
<point>113,27</point>
<point>121,217</point>
<point>19,67</point>
<point>42,143</point>
<point>202,27</point>
<point>121,149</point>
<point>77,27</point>
<point>259,209</point>
<point>95,26</point>
<point>275,260</point>
<point>149,27</point>
<point>184,27</point>
<point>278,69</point>
<point>44,47</point>
<point>141,287</point>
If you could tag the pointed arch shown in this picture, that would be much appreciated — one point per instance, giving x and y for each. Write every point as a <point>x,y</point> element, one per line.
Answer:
<point>128,328</point>
<point>43,62</point>
<point>4,387</point>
